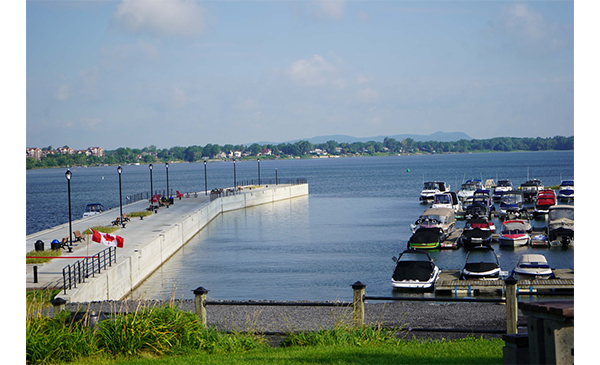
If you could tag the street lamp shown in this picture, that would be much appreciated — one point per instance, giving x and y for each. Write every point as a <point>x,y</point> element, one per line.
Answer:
<point>234,177</point>
<point>167,167</point>
<point>151,187</point>
<point>68,176</point>
<point>119,170</point>
<point>258,159</point>
<point>205,180</point>
<point>276,180</point>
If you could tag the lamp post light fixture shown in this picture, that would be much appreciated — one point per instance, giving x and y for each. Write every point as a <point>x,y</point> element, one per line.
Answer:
<point>258,159</point>
<point>68,176</point>
<point>234,177</point>
<point>119,170</point>
<point>151,186</point>
<point>205,180</point>
<point>167,168</point>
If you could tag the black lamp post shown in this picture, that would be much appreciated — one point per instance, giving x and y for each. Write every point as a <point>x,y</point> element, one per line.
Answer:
<point>68,176</point>
<point>234,177</point>
<point>205,180</point>
<point>119,170</point>
<point>276,181</point>
<point>151,186</point>
<point>167,168</point>
<point>258,159</point>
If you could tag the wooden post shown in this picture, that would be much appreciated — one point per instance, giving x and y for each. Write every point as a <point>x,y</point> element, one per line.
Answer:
<point>358,303</point>
<point>512,310</point>
<point>200,294</point>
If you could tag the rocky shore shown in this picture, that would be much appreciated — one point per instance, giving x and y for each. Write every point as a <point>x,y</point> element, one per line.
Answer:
<point>413,319</point>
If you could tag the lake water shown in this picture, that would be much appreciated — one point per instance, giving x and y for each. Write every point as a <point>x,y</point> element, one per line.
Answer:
<point>356,217</point>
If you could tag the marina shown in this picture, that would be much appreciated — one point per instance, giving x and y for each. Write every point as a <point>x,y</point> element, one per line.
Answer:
<point>356,217</point>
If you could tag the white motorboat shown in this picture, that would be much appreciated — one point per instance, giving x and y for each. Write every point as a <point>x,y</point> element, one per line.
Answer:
<point>430,188</point>
<point>514,233</point>
<point>468,188</point>
<point>566,190</point>
<point>532,266</point>
<point>93,209</point>
<point>503,185</point>
<point>415,269</point>
<point>481,264</point>
<point>447,200</point>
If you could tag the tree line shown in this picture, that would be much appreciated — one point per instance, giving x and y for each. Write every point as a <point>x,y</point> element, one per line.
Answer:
<point>303,148</point>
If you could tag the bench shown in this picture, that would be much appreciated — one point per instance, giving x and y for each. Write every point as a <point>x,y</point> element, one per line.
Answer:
<point>78,236</point>
<point>119,221</point>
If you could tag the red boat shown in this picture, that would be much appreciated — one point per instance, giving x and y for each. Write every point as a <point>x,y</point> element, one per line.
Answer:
<point>544,200</point>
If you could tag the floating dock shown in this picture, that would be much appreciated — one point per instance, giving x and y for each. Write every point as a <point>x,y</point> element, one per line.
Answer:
<point>450,283</point>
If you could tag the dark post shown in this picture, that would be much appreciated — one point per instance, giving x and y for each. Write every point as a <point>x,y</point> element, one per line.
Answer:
<point>168,191</point>
<point>205,180</point>
<point>151,187</point>
<point>68,176</point>
<point>234,177</point>
<point>35,274</point>
<point>358,303</point>
<point>276,180</point>
<point>58,304</point>
<point>258,159</point>
<point>119,170</point>
<point>200,300</point>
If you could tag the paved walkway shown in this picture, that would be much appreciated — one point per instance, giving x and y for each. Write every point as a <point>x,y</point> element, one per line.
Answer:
<point>137,231</point>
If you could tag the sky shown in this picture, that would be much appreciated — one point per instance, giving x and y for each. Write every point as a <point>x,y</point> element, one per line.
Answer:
<point>182,72</point>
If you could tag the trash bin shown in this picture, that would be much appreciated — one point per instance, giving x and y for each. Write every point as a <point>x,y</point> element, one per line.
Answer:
<point>55,245</point>
<point>171,200</point>
<point>39,245</point>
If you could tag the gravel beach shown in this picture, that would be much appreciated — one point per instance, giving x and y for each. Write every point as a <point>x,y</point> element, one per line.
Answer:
<point>433,320</point>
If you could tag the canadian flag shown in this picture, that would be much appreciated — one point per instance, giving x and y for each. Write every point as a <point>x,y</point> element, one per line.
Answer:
<point>107,239</point>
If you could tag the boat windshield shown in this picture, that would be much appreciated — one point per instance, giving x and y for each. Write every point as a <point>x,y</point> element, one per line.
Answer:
<point>468,187</point>
<point>512,198</point>
<point>94,208</point>
<point>441,218</point>
<point>442,199</point>
<point>504,183</point>
<point>476,256</point>
<point>430,186</point>
<point>558,213</point>
<point>569,183</point>
<point>414,256</point>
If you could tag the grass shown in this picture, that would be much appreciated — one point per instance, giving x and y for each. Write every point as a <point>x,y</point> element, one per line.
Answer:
<point>39,299</point>
<point>42,254</point>
<point>167,335</point>
<point>142,213</point>
<point>102,229</point>
<point>465,351</point>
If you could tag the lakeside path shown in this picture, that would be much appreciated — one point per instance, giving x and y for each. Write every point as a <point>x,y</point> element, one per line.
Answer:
<point>137,232</point>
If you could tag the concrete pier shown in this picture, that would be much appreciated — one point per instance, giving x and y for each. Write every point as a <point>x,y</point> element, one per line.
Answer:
<point>148,242</point>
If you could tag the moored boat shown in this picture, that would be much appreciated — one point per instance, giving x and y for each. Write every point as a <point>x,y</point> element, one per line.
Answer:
<point>566,190</point>
<point>514,233</point>
<point>561,224</point>
<point>531,267</point>
<point>415,269</point>
<point>544,200</point>
<point>477,232</point>
<point>430,188</point>
<point>502,186</point>
<point>481,264</point>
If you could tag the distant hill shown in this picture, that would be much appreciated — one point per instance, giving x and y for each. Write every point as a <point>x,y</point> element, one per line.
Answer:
<point>341,138</point>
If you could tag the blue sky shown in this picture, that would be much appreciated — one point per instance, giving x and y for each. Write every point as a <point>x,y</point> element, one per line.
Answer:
<point>179,73</point>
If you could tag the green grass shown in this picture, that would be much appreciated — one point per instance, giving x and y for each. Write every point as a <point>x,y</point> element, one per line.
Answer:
<point>52,253</point>
<point>102,229</point>
<point>142,213</point>
<point>466,351</point>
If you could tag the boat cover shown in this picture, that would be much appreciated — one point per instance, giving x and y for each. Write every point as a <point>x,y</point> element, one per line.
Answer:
<point>476,267</point>
<point>425,235</point>
<point>477,233</point>
<point>413,270</point>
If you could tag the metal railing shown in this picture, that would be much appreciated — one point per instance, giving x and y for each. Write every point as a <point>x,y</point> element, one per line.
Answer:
<point>80,270</point>
<point>219,193</point>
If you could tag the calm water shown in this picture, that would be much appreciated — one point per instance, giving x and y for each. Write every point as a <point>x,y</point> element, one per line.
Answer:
<point>357,216</point>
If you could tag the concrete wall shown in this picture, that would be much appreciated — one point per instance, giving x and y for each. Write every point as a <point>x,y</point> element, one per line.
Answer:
<point>131,270</point>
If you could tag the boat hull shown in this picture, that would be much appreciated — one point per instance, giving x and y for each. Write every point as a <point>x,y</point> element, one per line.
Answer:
<point>514,241</point>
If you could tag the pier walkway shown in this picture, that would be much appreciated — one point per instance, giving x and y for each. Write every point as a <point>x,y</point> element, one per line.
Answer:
<point>158,236</point>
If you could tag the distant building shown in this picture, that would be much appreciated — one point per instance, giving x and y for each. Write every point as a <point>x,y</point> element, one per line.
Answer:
<point>95,151</point>
<point>65,150</point>
<point>34,152</point>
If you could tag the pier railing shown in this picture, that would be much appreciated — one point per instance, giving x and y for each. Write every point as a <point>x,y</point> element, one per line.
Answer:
<point>219,193</point>
<point>80,270</point>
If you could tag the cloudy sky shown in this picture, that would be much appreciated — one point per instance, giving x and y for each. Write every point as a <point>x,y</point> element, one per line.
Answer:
<point>183,72</point>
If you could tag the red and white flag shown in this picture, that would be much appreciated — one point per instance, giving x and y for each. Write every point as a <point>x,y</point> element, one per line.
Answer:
<point>107,239</point>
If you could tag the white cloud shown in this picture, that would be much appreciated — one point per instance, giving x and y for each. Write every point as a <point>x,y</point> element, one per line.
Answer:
<point>173,18</point>
<point>63,93</point>
<point>178,98</point>
<point>312,72</point>
<point>330,9</point>
<point>530,30</point>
